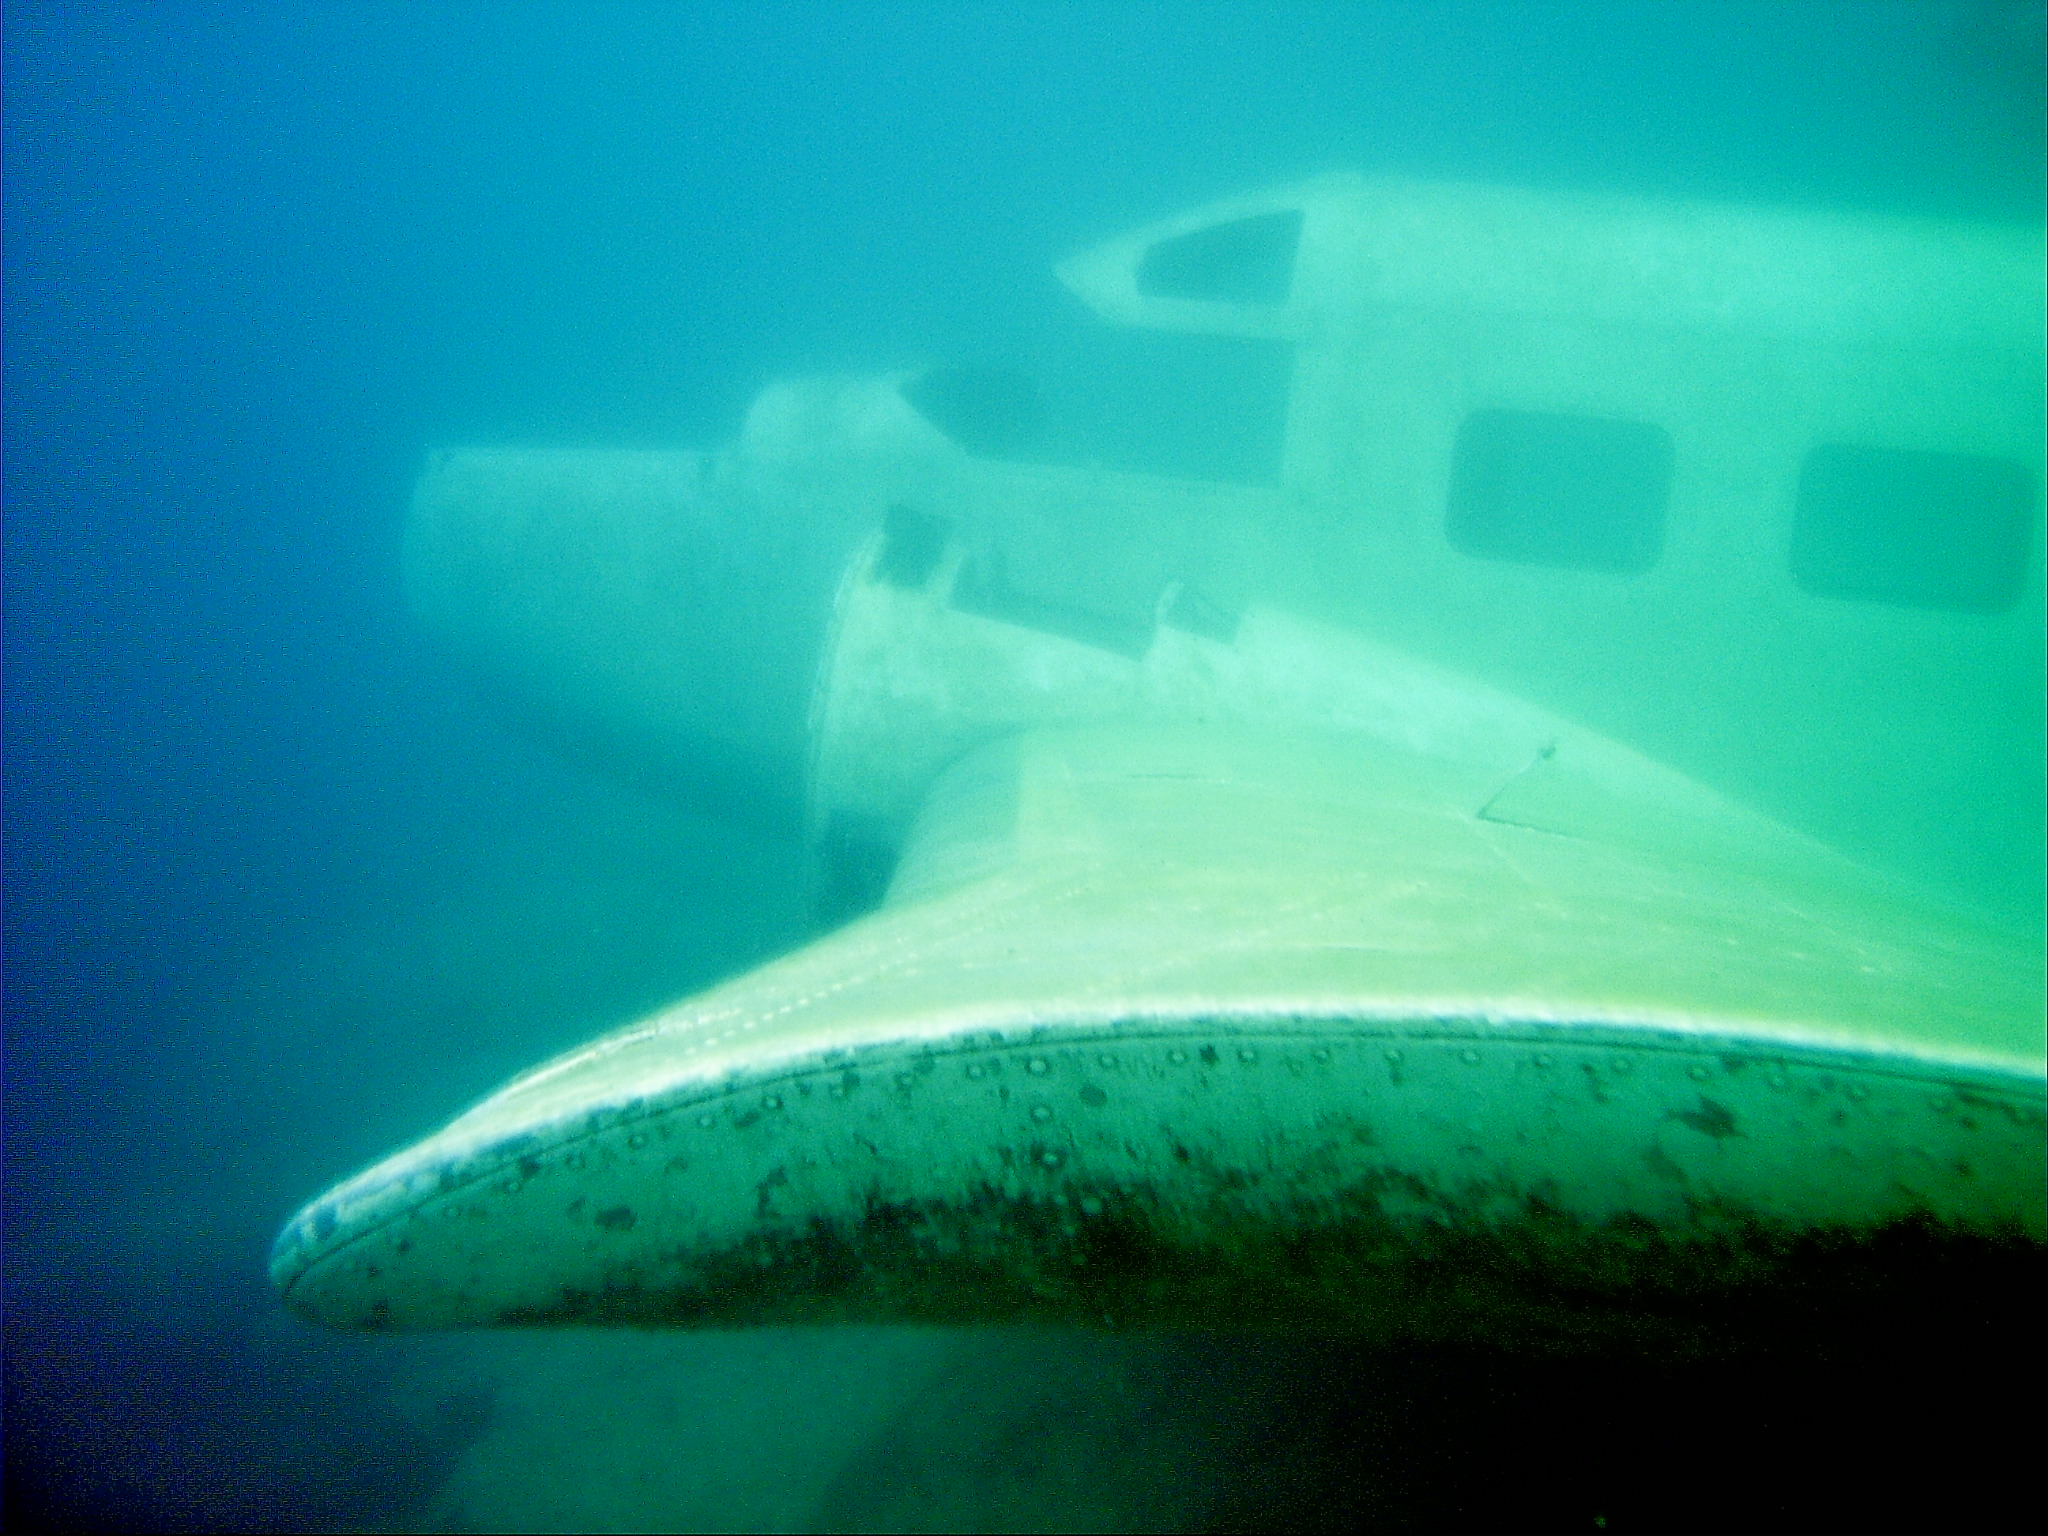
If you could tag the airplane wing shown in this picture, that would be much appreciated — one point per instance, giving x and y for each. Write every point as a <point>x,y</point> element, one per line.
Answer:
<point>1221,963</point>
<point>1190,1023</point>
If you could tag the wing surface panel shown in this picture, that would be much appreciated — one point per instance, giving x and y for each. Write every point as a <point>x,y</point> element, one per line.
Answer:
<point>1208,1023</point>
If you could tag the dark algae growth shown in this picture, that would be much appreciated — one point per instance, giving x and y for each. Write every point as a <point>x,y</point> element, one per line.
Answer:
<point>1543,1285</point>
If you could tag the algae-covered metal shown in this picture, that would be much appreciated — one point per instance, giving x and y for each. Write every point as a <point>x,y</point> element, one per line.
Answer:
<point>1185,1026</point>
<point>1213,961</point>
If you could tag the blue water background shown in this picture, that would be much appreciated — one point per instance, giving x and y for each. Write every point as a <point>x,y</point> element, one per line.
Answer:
<point>280,893</point>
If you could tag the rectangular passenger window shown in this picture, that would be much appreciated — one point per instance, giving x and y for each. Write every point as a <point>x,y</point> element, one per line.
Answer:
<point>1928,530</point>
<point>1581,492</point>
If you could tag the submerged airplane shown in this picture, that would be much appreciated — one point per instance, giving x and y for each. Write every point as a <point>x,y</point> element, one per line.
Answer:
<point>1294,895</point>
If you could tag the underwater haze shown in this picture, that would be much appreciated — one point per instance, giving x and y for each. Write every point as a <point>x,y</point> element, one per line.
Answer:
<point>284,890</point>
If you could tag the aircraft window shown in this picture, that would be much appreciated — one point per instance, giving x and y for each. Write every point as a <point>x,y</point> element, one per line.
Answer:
<point>1247,261</point>
<point>1934,530</point>
<point>993,412</point>
<point>1575,491</point>
<point>1157,402</point>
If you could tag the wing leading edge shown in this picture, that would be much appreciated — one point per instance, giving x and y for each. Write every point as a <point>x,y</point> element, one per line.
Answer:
<point>1193,1023</point>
